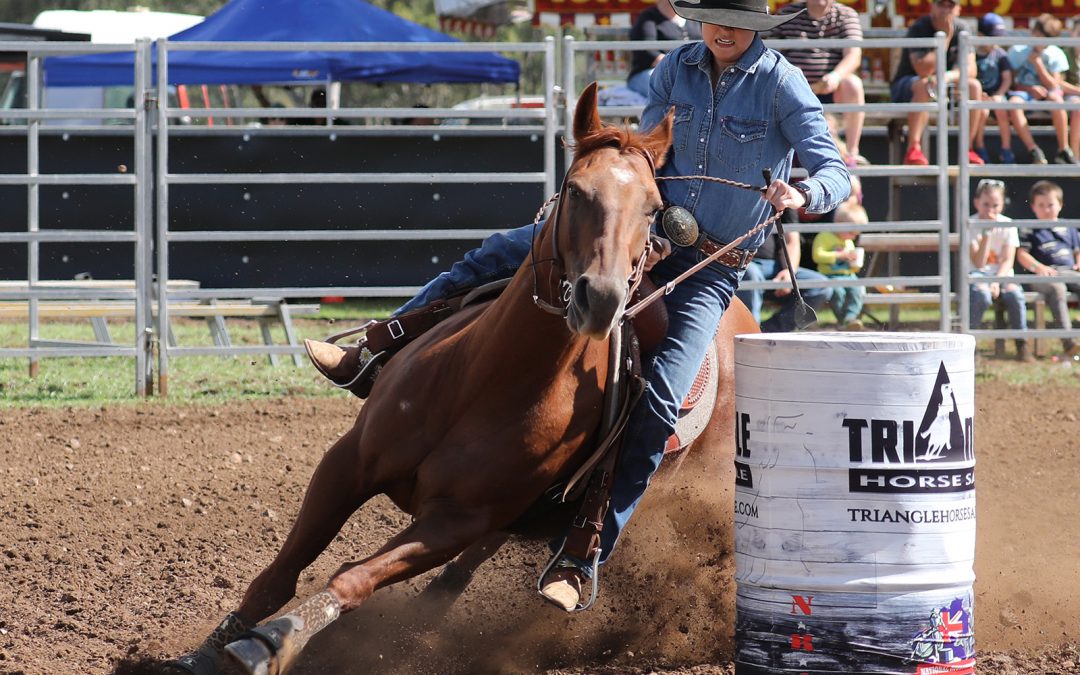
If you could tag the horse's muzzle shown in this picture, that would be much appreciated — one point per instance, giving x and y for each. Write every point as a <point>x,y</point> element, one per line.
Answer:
<point>595,306</point>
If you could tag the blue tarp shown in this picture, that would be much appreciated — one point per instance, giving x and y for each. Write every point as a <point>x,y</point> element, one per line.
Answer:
<point>294,21</point>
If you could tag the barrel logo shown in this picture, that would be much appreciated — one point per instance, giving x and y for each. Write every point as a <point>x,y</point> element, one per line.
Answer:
<point>914,456</point>
<point>947,645</point>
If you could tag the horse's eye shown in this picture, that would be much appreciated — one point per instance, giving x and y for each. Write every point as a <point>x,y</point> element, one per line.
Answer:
<point>572,191</point>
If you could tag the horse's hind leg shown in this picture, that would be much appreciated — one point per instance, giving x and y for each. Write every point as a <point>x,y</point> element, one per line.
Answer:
<point>433,539</point>
<point>336,490</point>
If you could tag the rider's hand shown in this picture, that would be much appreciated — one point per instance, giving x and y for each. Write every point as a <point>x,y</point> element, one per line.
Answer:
<point>659,248</point>
<point>783,196</point>
<point>783,276</point>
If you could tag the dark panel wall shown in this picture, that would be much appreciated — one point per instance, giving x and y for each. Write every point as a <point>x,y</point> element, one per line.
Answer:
<point>270,207</point>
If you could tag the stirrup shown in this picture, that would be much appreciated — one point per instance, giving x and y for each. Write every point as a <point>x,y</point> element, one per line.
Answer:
<point>370,364</point>
<point>593,578</point>
<point>370,367</point>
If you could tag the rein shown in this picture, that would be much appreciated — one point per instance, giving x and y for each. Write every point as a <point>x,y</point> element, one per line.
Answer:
<point>639,306</point>
<point>639,267</point>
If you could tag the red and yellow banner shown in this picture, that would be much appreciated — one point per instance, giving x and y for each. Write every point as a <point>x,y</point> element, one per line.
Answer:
<point>593,6</point>
<point>1010,8</point>
<point>906,8</point>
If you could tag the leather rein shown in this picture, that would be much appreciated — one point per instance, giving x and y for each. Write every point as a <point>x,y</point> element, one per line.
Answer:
<point>565,289</point>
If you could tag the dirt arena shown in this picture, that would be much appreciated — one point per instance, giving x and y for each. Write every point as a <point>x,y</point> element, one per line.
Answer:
<point>127,532</point>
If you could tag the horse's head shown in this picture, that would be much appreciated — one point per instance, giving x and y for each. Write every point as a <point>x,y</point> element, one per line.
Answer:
<point>606,206</point>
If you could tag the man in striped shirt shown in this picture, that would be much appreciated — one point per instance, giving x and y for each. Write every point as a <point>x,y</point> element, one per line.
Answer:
<point>832,73</point>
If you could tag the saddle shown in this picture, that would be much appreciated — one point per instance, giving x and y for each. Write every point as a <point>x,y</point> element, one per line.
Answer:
<point>385,338</point>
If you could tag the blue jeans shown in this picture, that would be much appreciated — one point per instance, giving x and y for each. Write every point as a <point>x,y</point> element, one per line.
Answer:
<point>694,309</point>
<point>784,319</point>
<point>1012,295</point>
<point>498,257</point>
<point>846,303</point>
<point>639,82</point>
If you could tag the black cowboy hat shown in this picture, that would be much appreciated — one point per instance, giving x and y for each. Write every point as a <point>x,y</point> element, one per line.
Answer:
<point>749,14</point>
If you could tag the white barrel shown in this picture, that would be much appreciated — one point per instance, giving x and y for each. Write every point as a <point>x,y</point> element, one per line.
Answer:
<point>855,503</point>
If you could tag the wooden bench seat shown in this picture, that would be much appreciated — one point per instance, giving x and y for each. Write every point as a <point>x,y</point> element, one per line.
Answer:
<point>213,312</point>
<point>1032,299</point>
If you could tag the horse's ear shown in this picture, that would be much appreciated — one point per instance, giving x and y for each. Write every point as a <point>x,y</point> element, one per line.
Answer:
<point>658,140</point>
<point>586,116</point>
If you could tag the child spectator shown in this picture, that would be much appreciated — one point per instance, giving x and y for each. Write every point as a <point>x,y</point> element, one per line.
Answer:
<point>837,257</point>
<point>995,74</point>
<point>1071,86</point>
<point>993,252</point>
<point>1038,76</point>
<point>1052,253</point>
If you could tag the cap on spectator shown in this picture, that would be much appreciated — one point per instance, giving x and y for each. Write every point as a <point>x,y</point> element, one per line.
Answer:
<point>992,25</point>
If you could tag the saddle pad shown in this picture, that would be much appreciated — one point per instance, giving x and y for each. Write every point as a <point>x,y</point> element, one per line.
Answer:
<point>697,409</point>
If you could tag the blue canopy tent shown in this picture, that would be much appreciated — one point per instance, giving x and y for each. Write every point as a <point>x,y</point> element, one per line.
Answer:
<point>294,21</point>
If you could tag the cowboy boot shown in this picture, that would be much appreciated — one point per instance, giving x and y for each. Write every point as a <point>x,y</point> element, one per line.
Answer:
<point>562,588</point>
<point>346,367</point>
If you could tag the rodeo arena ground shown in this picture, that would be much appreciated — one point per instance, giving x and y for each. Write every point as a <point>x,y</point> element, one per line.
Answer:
<point>163,259</point>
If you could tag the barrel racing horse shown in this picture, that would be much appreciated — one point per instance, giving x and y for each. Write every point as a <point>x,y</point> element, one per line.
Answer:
<point>470,424</point>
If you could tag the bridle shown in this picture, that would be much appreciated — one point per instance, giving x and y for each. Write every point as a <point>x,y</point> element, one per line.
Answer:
<point>566,290</point>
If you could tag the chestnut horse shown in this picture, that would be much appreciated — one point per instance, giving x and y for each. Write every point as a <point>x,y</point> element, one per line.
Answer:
<point>472,422</point>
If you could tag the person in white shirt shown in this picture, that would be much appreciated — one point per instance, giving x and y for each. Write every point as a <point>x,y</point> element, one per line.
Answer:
<point>993,252</point>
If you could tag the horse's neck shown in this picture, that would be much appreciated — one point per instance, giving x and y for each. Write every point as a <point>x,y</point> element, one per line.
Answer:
<point>519,332</point>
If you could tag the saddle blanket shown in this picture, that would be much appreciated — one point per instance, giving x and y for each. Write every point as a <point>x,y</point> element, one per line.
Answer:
<point>697,409</point>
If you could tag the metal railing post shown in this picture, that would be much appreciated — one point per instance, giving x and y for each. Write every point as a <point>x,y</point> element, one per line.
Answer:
<point>143,373</point>
<point>33,198</point>
<point>162,225</point>
<point>570,96</point>
<point>551,119</point>
<point>963,259</point>
<point>943,179</point>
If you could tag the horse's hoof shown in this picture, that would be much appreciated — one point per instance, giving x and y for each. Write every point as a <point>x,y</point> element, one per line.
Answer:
<point>251,655</point>
<point>195,663</point>
<point>269,649</point>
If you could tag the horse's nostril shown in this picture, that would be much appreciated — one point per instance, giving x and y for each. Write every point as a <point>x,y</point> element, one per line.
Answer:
<point>581,294</point>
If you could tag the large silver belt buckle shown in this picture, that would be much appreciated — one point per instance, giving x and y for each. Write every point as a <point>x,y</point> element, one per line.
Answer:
<point>680,226</point>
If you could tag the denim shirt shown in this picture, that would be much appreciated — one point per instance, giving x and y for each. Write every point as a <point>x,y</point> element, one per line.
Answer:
<point>761,110</point>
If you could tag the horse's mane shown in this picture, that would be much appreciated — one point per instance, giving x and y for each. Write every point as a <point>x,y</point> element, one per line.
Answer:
<point>610,136</point>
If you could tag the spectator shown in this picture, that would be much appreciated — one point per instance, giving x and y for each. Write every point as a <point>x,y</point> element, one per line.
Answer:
<point>833,74</point>
<point>993,252</point>
<point>1070,85</point>
<point>659,22</point>
<point>1039,71</point>
<point>995,74</point>
<point>914,81</point>
<point>316,100</point>
<point>275,120</point>
<point>837,257</point>
<point>768,264</point>
<point>1052,252</point>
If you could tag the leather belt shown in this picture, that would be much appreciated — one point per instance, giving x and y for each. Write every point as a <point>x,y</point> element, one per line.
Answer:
<point>736,258</point>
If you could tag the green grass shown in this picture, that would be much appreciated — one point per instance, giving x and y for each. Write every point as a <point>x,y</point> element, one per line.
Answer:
<point>214,379</point>
<point>210,379</point>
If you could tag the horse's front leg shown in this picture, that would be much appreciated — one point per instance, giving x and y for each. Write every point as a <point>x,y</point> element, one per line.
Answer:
<point>435,537</point>
<point>336,490</point>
